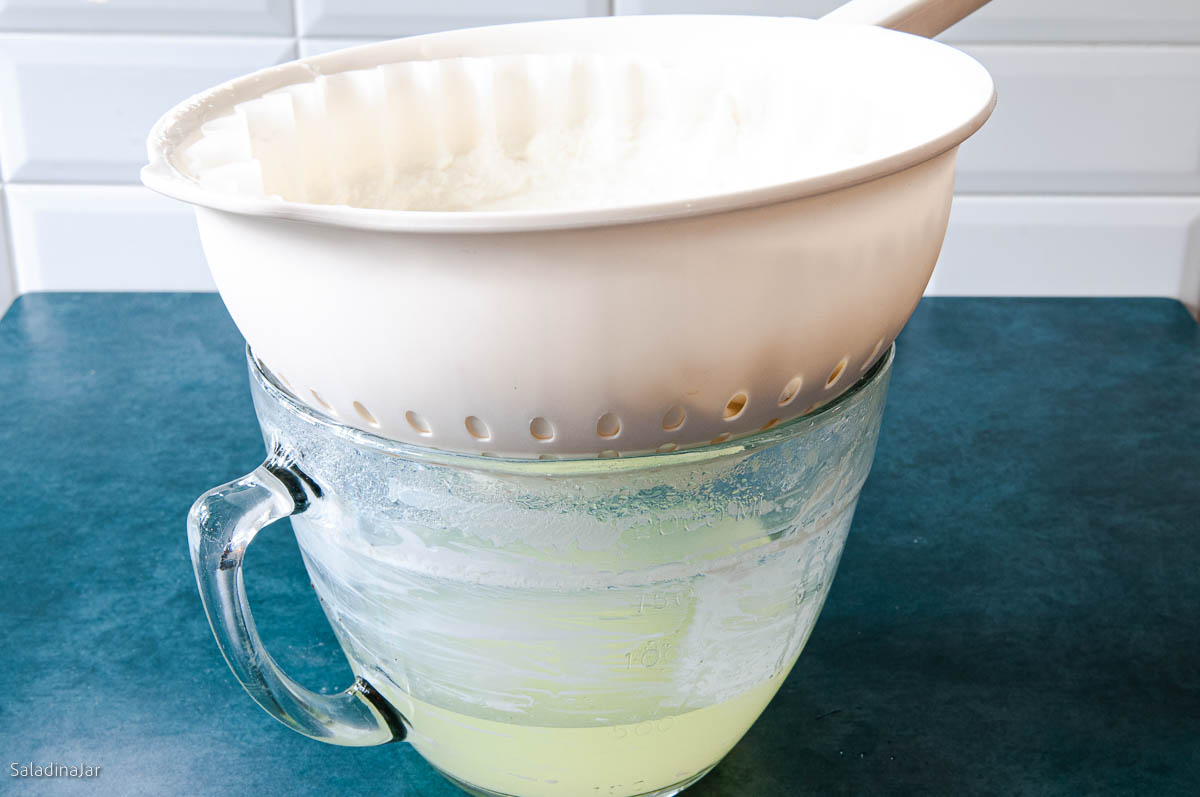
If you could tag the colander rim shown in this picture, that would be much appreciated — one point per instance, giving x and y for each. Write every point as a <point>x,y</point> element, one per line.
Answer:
<point>173,131</point>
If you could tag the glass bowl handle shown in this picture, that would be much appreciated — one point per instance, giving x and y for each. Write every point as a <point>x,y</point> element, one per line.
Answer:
<point>221,524</point>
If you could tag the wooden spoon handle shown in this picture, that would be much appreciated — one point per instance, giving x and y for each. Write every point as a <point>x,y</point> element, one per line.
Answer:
<point>922,17</point>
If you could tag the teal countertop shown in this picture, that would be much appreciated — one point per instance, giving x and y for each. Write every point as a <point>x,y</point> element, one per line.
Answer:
<point>1017,611</point>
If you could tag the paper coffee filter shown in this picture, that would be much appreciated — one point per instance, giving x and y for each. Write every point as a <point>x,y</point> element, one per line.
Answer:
<point>544,131</point>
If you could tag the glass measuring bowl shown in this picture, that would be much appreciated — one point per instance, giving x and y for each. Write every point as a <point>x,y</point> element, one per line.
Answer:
<point>544,627</point>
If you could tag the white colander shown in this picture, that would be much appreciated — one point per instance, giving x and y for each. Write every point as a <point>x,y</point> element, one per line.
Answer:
<point>591,237</point>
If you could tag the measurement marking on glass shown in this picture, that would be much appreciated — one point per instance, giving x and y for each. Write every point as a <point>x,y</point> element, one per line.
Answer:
<point>652,654</point>
<point>658,601</point>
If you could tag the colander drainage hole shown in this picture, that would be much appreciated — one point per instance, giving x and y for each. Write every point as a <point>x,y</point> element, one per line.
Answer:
<point>541,429</point>
<point>674,418</point>
<point>477,428</point>
<point>836,373</point>
<point>769,424</point>
<point>871,357</point>
<point>790,390</point>
<point>608,453</point>
<point>365,413</point>
<point>322,401</point>
<point>609,425</point>
<point>666,447</point>
<point>418,423</point>
<point>735,406</point>
<point>721,438</point>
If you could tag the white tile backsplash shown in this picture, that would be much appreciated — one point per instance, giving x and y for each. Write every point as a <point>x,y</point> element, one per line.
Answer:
<point>1117,119</point>
<point>381,19</point>
<point>77,108</point>
<point>1085,181</point>
<point>321,46</point>
<point>774,8</point>
<point>104,238</point>
<point>8,287</point>
<point>1071,246</point>
<point>263,17</point>
<point>1024,21</point>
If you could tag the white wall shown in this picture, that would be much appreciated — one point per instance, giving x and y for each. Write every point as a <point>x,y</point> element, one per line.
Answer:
<point>1085,182</point>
